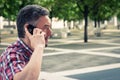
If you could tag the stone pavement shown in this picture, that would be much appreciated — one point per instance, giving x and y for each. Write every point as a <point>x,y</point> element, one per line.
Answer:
<point>72,59</point>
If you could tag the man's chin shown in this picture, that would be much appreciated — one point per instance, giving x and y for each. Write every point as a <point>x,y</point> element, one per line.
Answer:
<point>46,45</point>
<point>46,42</point>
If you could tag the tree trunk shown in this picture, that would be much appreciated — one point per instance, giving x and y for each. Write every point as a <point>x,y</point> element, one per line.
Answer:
<point>9,23</point>
<point>86,23</point>
<point>98,23</point>
<point>98,33</point>
<point>95,23</point>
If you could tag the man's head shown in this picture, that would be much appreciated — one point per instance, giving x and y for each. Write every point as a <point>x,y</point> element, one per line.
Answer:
<point>35,15</point>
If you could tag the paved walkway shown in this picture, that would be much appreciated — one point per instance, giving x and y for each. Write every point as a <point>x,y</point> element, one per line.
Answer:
<point>99,59</point>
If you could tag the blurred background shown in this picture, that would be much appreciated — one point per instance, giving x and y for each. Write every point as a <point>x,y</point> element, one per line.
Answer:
<point>86,34</point>
<point>82,15</point>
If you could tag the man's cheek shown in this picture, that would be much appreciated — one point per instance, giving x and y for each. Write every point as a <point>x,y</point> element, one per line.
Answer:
<point>46,40</point>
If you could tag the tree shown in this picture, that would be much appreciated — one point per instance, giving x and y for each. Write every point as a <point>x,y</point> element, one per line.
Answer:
<point>118,10</point>
<point>10,8</point>
<point>98,10</point>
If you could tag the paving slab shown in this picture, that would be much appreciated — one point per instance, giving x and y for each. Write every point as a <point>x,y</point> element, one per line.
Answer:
<point>113,51</point>
<point>111,74</point>
<point>62,62</point>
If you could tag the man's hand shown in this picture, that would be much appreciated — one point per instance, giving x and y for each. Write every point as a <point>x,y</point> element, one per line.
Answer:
<point>37,39</point>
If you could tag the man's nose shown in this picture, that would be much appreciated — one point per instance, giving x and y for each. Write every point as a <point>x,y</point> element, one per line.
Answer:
<point>49,32</point>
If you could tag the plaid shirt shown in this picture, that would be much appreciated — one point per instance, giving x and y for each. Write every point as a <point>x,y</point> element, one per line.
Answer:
<point>14,59</point>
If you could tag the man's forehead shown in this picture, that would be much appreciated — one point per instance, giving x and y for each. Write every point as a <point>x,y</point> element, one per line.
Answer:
<point>44,18</point>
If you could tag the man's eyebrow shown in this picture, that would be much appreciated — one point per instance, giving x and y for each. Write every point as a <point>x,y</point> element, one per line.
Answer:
<point>48,25</point>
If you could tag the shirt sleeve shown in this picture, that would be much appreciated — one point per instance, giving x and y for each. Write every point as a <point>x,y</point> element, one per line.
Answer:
<point>13,65</point>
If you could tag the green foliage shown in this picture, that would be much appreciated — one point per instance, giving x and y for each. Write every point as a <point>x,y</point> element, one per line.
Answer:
<point>64,9</point>
<point>118,10</point>
<point>10,8</point>
<point>104,9</point>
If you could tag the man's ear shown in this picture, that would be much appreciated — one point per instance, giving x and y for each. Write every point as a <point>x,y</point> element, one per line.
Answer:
<point>26,26</point>
<point>29,28</point>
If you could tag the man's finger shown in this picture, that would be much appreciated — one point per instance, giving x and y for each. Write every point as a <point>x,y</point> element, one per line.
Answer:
<point>37,31</point>
<point>43,34</point>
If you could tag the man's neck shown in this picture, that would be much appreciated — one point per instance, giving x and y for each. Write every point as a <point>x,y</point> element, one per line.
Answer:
<point>27,42</point>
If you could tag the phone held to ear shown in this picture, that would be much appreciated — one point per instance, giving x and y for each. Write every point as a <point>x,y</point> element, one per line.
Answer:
<point>31,28</point>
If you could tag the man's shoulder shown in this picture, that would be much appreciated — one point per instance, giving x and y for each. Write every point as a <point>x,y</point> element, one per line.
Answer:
<point>11,49</point>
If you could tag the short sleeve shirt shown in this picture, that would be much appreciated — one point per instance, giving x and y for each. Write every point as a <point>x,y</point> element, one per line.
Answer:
<point>14,59</point>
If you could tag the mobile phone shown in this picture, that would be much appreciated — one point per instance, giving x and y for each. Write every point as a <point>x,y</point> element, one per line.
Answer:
<point>31,28</point>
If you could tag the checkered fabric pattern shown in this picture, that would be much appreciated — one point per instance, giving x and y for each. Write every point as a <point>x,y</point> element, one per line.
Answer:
<point>14,59</point>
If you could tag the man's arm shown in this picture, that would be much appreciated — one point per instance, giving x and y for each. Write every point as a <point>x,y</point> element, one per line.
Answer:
<point>32,69</point>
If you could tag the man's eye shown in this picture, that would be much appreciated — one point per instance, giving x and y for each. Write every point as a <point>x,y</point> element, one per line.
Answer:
<point>46,27</point>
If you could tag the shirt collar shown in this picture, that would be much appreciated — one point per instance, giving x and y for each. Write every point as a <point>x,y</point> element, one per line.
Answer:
<point>24,45</point>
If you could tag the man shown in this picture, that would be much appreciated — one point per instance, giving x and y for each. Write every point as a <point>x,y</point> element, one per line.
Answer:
<point>22,60</point>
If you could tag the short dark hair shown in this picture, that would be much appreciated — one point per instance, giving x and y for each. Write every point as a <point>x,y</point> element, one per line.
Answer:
<point>29,14</point>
